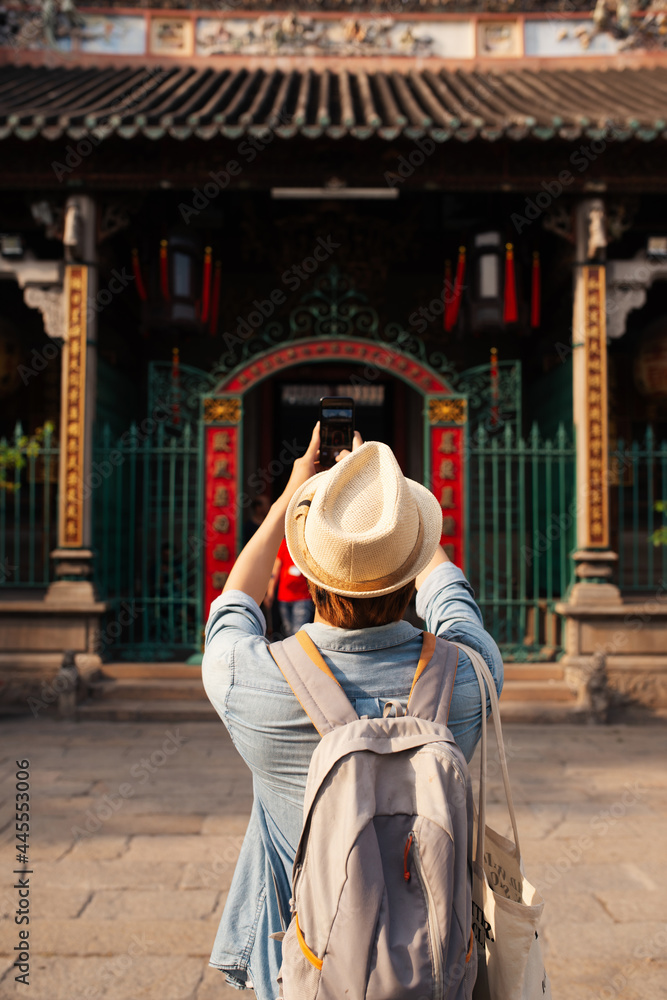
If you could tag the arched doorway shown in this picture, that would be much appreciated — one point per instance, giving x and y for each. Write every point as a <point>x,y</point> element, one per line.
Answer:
<point>229,486</point>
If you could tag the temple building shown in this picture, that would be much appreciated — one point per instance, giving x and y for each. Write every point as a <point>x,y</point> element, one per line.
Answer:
<point>212,217</point>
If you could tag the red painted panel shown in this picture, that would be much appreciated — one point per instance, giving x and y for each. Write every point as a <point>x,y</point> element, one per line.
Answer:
<point>221,511</point>
<point>447,483</point>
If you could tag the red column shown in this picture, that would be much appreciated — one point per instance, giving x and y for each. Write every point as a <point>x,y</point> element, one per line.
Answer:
<point>447,479</point>
<point>221,507</point>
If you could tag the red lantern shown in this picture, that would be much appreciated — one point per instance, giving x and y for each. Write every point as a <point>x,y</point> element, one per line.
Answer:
<point>446,294</point>
<point>510,312</point>
<point>175,384</point>
<point>215,303</point>
<point>535,292</point>
<point>455,304</point>
<point>164,269</point>
<point>206,285</point>
<point>493,375</point>
<point>138,277</point>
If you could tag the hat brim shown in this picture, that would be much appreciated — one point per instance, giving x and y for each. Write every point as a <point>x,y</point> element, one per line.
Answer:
<point>430,516</point>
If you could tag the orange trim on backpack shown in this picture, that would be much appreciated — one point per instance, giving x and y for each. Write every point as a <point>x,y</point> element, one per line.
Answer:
<point>472,941</point>
<point>310,955</point>
<point>294,692</point>
<point>428,649</point>
<point>311,650</point>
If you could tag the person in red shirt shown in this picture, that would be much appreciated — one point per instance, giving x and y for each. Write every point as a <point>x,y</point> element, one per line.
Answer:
<point>290,586</point>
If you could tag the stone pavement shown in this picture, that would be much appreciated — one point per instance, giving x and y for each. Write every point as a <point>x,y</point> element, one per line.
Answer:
<point>136,828</point>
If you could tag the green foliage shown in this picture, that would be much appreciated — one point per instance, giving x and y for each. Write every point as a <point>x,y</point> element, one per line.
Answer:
<point>13,456</point>
<point>659,536</point>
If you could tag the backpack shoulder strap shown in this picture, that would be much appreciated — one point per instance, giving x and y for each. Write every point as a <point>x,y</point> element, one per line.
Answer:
<point>433,684</point>
<point>314,685</point>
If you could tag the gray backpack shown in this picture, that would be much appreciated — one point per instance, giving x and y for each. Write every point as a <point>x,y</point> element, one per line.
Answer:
<point>381,904</point>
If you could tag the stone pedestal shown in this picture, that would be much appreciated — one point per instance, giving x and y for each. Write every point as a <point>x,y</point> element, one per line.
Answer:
<point>629,633</point>
<point>73,569</point>
<point>34,636</point>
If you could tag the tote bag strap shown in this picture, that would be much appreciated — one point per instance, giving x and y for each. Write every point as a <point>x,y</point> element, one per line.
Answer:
<point>486,682</point>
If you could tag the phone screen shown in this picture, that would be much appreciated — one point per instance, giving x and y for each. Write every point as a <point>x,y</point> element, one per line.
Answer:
<point>336,428</point>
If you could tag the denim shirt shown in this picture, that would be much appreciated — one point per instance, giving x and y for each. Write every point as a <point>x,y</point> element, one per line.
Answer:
<point>276,740</point>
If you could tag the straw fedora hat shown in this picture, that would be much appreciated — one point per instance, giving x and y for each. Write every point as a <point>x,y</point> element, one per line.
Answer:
<point>362,529</point>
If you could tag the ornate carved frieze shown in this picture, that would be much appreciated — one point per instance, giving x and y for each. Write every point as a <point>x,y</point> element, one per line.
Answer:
<point>296,34</point>
<point>222,411</point>
<point>628,281</point>
<point>447,411</point>
<point>50,303</point>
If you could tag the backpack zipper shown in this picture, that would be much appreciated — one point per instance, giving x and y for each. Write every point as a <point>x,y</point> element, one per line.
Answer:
<point>432,916</point>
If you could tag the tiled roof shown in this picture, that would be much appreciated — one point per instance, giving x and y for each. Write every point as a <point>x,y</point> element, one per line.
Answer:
<point>515,102</point>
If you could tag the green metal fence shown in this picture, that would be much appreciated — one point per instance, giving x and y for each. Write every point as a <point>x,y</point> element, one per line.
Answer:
<point>638,475</point>
<point>28,511</point>
<point>521,531</point>
<point>147,531</point>
<point>147,535</point>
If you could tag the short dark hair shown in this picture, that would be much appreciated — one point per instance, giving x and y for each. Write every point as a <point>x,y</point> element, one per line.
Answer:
<point>361,612</point>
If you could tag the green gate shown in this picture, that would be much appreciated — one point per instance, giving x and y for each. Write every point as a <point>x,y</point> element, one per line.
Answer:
<point>521,531</point>
<point>147,532</point>
<point>638,514</point>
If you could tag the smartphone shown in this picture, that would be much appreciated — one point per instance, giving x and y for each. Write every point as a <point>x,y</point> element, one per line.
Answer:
<point>336,428</point>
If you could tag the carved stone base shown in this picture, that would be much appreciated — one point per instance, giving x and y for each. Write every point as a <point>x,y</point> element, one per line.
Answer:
<point>594,564</point>
<point>639,681</point>
<point>34,636</point>
<point>631,636</point>
<point>587,678</point>
<point>73,569</point>
<point>588,595</point>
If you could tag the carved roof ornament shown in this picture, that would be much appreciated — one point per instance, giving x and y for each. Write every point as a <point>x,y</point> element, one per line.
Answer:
<point>50,303</point>
<point>616,19</point>
<point>628,281</point>
<point>597,235</point>
<point>561,222</point>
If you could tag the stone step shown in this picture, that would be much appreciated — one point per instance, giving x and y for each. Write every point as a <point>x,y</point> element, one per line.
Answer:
<point>533,692</point>
<point>549,671</point>
<point>165,710</point>
<point>522,712</point>
<point>542,691</point>
<point>150,671</point>
<point>147,689</point>
<point>537,712</point>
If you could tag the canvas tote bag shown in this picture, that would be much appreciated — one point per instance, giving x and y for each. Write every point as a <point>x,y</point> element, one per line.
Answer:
<point>506,907</point>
